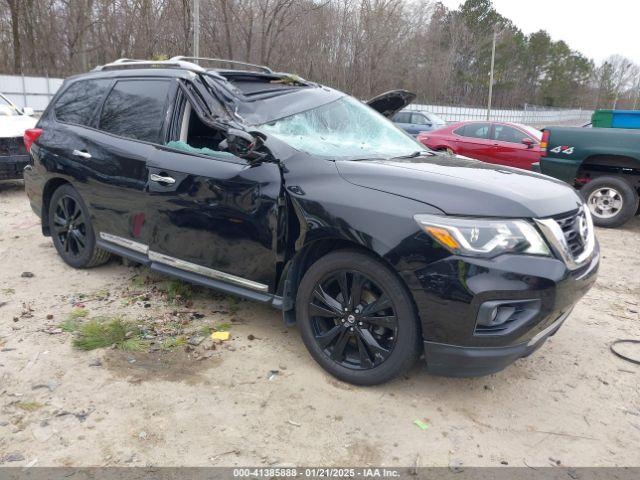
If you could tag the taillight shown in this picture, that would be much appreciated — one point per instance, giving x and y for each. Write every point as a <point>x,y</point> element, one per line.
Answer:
<point>544,143</point>
<point>30,136</point>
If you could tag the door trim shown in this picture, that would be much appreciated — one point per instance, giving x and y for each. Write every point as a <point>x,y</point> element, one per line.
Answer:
<point>125,242</point>
<point>206,271</point>
<point>158,257</point>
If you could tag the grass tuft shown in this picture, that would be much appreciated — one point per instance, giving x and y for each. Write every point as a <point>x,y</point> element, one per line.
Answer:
<point>223,327</point>
<point>77,313</point>
<point>177,291</point>
<point>173,342</point>
<point>70,325</point>
<point>104,332</point>
<point>29,406</point>
<point>234,304</point>
<point>206,330</point>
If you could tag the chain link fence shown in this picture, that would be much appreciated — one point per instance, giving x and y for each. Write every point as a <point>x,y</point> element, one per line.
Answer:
<point>532,115</point>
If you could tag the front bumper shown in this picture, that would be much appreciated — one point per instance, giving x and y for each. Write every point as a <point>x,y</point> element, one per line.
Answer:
<point>12,166</point>
<point>450,295</point>
<point>454,361</point>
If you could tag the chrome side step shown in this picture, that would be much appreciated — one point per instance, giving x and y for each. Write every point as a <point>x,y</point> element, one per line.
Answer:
<point>188,271</point>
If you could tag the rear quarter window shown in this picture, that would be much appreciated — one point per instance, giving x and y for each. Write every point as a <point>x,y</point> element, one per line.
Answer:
<point>79,102</point>
<point>136,109</point>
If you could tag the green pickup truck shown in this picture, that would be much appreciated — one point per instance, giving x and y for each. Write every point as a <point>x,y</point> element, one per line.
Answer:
<point>603,163</point>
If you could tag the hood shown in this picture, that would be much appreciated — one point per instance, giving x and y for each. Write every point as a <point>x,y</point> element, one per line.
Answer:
<point>390,103</point>
<point>15,125</point>
<point>460,186</point>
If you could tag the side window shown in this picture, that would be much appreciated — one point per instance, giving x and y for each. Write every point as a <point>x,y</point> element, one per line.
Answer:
<point>136,109</point>
<point>419,119</point>
<point>402,117</point>
<point>78,103</point>
<point>474,130</point>
<point>504,133</point>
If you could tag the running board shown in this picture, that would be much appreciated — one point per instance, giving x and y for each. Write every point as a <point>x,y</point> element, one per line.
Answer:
<point>192,277</point>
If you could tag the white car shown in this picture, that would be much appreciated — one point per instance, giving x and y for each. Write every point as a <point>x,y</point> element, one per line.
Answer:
<point>13,122</point>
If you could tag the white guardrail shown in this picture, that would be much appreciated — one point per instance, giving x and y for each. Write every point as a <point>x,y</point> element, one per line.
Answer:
<point>28,91</point>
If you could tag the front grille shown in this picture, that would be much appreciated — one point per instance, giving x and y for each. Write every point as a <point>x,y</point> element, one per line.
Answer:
<point>12,146</point>
<point>571,225</point>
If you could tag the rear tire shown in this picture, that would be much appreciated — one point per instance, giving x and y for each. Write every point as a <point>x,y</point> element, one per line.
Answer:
<point>357,318</point>
<point>611,200</point>
<point>72,231</point>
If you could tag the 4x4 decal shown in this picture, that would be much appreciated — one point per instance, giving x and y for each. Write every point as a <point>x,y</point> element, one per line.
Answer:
<point>566,149</point>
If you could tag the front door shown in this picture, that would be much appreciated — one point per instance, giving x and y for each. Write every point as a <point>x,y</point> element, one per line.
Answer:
<point>472,140</point>
<point>214,214</point>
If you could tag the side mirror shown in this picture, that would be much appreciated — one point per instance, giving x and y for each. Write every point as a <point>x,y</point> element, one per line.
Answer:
<point>27,111</point>
<point>528,142</point>
<point>244,144</point>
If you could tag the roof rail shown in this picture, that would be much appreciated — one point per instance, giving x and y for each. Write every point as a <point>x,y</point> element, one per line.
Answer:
<point>221,60</point>
<point>124,63</point>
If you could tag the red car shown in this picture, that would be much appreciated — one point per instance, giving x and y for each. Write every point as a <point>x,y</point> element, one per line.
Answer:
<point>503,143</point>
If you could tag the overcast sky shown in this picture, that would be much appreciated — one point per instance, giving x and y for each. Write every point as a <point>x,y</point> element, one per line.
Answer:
<point>596,28</point>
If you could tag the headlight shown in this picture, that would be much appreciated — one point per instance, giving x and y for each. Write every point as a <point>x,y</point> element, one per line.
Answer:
<point>481,237</point>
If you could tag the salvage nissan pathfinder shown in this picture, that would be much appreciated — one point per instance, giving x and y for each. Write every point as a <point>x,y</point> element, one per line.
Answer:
<point>273,188</point>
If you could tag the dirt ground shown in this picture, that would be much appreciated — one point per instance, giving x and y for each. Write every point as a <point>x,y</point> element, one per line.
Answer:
<point>571,403</point>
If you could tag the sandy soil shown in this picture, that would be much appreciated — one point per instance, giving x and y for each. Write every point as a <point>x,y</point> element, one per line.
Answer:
<point>571,402</point>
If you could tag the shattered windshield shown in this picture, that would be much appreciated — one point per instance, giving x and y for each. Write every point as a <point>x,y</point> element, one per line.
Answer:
<point>343,129</point>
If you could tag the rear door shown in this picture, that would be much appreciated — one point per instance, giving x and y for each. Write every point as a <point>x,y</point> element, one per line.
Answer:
<point>509,148</point>
<point>130,122</point>
<point>472,140</point>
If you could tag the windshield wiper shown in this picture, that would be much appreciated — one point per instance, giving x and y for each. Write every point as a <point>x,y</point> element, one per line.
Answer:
<point>415,154</point>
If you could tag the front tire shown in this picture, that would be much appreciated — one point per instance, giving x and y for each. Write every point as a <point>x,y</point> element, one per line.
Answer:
<point>611,200</point>
<point>357,319</point>
<point>71,230</point>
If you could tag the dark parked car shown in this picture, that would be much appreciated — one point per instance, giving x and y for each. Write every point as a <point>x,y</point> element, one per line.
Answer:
<point>418,122</point>
<point>266,186</point>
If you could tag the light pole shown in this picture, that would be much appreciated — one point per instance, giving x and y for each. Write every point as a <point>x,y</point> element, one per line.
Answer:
<point>196,28</point>
<point>493,60</point>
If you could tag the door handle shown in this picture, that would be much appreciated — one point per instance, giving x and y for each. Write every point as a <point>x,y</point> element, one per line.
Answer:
<point>160,179</point>
<point>81,153</point>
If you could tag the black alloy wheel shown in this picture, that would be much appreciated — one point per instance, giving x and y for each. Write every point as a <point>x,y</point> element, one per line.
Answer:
<point>71,229</point>
<point>357,318</point>
<point>353,320</point>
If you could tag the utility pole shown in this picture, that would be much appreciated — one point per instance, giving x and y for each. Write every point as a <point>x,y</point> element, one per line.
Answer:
<point>493,61</point>
<point>196,28</point>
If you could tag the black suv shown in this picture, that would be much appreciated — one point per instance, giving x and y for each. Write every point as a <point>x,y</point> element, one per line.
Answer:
<point>283,191</point>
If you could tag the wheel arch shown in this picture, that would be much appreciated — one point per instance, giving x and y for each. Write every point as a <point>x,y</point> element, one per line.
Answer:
<point>313,251</point>
<point>599,165</point>
<point>47,192</point>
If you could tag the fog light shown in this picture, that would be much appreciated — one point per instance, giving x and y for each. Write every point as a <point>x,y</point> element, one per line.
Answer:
<point>499,317</point>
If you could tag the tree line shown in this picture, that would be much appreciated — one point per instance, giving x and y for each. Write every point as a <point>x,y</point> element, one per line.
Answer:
<point>363,47</point>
